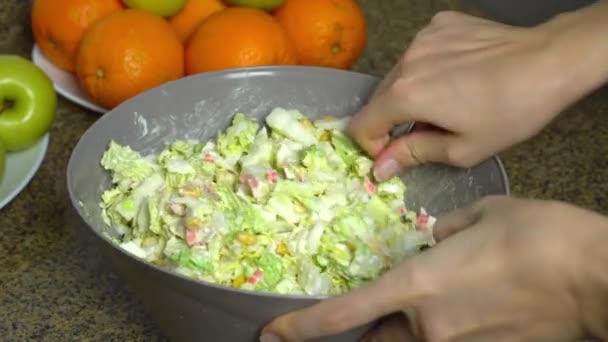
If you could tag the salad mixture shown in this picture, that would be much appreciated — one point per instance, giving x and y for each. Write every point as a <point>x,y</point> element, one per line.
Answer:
<point>289,207</point>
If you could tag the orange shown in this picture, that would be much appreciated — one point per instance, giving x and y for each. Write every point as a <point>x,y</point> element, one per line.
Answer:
<point>58,26</point>
<point>127,53</point>
<point>238,37</point>
<point>188,19</point>
<point>329,33</point>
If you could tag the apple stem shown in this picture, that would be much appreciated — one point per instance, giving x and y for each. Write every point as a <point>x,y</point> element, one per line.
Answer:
<point>5,104</point>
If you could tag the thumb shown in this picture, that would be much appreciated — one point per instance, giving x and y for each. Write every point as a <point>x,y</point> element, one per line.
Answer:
<point>413,149</point>
<point>388,294</point>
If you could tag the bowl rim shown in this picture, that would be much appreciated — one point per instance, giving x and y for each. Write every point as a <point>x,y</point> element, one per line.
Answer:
<point>195,282</point>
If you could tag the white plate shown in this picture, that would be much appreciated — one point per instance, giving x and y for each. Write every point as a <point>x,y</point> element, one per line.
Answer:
<point>65,83</point>
<point>20,168</point>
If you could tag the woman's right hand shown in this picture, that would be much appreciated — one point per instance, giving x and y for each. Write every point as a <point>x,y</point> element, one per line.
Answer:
<point>486,85</point>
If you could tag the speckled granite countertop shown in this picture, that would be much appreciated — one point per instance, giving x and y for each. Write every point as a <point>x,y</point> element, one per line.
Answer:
<point>53,285</point>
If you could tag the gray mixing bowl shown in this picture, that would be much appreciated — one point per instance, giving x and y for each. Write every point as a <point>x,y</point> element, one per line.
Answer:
<point>197,107</point>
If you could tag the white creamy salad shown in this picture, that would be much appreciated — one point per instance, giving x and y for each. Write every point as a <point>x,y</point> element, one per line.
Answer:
<point>290,207</point>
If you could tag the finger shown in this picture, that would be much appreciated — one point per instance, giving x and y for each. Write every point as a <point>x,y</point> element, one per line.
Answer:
<point>391,107</point>
<point>413,149</point>
<point>392,328</point>
<point>335,315</point>
<point>456,220</point>
<point>339,314</point>
<point>371,126</point>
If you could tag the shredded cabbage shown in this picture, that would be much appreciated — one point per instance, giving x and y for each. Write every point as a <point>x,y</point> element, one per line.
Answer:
<point>288,208</point>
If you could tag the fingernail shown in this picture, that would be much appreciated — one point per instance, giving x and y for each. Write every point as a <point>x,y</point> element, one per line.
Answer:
<point>269,338</point>
<point>386,169</point>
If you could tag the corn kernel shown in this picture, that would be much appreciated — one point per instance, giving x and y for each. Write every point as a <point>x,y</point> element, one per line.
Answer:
<point>282,249</point>
<point>149,241</point>
<point>239,281</point>
<point>247,239</point>
<point>299,208</point>
<point>193,223</point>
<point>325,136</point>
<point>190,191</point>
<point>329,118</point>
<point>306,123</point>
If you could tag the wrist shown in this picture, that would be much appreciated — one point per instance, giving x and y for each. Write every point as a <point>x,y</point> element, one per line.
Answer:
<point>577,48</point>
<point>591,274</point>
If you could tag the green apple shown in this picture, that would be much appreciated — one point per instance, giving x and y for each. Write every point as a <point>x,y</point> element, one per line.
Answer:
<point>164,8</point>
<point>27,103</point>
<point>266,5</point>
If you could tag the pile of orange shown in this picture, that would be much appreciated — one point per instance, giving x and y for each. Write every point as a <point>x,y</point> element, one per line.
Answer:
<point>117,53</point>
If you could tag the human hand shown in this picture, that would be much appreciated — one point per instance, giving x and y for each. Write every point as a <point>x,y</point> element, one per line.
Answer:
<point>503,269</point>
<point>485,85</point>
